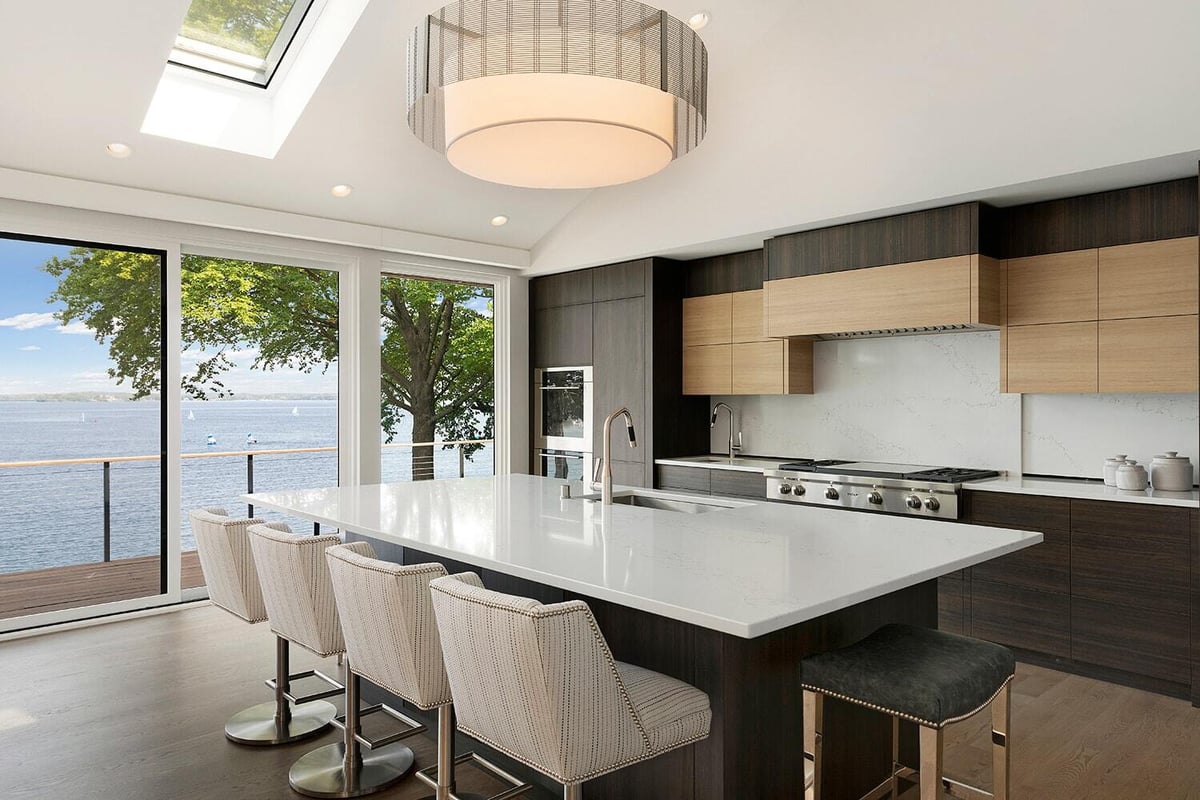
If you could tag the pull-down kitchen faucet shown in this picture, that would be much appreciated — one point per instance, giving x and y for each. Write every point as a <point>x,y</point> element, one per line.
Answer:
<point>604,467</point>
<point>733,449</point>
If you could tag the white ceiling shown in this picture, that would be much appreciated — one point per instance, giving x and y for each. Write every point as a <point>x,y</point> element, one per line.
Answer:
<point>819,111</point>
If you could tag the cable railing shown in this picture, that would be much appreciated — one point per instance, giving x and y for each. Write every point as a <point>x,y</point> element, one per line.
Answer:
<point>421,464</point>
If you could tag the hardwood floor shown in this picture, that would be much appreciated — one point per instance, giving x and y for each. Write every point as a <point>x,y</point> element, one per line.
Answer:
<point>134,710</point>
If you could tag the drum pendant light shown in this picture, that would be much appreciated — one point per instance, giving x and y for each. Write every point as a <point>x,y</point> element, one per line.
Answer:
<point>557,94</point>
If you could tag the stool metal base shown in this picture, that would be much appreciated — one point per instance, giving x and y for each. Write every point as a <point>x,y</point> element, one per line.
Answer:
<point>322,772</point>
<point>256,726</point>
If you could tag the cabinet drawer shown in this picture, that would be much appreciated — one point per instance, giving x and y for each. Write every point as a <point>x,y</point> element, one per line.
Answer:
<point>1058,287</point>
<point>708,369</point>
<point>1045,567</point>
<point>692,479</point>
<point>1020,511</point>
<point>707,320</point>
<point>1024,618</point>
<point>1052,358</point>
<point>1156,354</point>
<point>733,483</point>
<point>1143,641</point>
<point>1130,519</point>
<point>1150,279</point>
<point>1148,573</point>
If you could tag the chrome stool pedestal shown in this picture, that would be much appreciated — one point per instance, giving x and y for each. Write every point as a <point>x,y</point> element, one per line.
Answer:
<point>286,719</point>
<point>440,777</point>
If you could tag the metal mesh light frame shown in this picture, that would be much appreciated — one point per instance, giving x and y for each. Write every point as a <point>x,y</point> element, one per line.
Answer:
<point>619,39</point>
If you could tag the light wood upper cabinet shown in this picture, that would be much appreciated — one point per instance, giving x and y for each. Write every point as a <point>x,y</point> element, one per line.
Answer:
<point>707,320</point>
<point>1150,279</point>
<point>960,290</point>
<point>748,317</point>
<point>1156,354</point>
<point>745,361</point>
<point>708,369</point>
<point>1059,287</point>
<point>1053,358</point>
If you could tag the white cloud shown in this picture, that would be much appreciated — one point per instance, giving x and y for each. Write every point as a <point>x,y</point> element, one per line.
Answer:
<point>29,321</point>
<point>76,327</point>
<point>29,348</point>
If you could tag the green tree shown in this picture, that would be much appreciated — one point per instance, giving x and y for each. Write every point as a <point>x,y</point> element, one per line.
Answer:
<point>436,336</point>
<point>244,26</point>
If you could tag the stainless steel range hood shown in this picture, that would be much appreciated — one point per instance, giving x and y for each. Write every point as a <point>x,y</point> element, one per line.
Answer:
<point>914,331</point>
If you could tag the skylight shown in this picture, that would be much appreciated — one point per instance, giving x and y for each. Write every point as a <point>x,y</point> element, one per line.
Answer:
<point>243,40</point>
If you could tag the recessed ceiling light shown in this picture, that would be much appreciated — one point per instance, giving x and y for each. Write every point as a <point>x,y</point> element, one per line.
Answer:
<point>499,220</point>
<point>119,150</point>
<point>698,20</point>
<point>341,190</point>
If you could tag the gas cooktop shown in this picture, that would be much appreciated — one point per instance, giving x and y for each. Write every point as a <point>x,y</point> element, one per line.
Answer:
<point>912,489</point>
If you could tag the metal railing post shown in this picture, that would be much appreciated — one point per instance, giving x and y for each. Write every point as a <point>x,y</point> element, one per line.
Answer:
<point>462,461</point>
<point>249,482</point>
<point>108,511</point>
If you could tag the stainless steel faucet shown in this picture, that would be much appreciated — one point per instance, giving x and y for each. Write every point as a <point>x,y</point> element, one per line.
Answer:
<point>733,449</point>
<point>604,467</point>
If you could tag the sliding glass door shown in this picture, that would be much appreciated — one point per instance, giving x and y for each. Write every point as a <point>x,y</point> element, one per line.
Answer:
<point>82,426</point>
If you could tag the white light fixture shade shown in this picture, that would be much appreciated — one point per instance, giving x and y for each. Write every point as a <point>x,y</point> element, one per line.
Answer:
<point>543,94</point>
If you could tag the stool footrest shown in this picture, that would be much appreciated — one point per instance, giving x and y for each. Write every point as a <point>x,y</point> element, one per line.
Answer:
<point>414,726</point>
<point>428,776</point>
<point>337,688</point>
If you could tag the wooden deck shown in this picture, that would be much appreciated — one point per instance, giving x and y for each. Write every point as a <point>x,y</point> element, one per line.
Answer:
<point>79,585</point>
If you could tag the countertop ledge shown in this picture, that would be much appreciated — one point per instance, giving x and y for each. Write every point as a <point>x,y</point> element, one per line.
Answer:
<point>746,570</point>
<point>1074,488</point>
<point>1080,489</point>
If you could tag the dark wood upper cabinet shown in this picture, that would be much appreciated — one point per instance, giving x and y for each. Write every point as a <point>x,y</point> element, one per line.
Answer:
<point>562,336</point>
<point>563,289</point>
<point>736,272</point>
<point>618,281</point>
<point>918,236</point>
<point>619,374</point>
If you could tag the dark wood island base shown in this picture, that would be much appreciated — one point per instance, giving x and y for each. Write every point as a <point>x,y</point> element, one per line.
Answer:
<point>755,749</point>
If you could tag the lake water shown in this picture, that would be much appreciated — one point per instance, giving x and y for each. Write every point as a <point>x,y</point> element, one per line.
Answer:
<point>54,515</point>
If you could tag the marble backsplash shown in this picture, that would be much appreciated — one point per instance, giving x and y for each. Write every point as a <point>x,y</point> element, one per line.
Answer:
<point>935,400</point>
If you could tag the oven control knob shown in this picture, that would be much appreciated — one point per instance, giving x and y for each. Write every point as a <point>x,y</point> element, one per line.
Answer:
<point>831,493</point>
<point>913,502</point>
<point>932,503</point>
<point>798,489</point>
<point>875,498</point>
<point>785,488</point>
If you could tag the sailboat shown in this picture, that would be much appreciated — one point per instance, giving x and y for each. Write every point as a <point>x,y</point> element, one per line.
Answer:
<point>295,411</point>
<point>191,414</point>
<point>82,417</point>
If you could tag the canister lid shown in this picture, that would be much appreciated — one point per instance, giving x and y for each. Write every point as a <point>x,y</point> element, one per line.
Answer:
<point>1171,455</point>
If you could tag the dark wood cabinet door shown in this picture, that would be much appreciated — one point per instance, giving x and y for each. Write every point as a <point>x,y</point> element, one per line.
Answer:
<point>619,374</point>
<point>562,336</point>
<point>1020,511</point>
<point>618,281</point>
<point>1021,617</point>
<point>734,483</point>
<point>563,289</point>
<point>952,603</point>
<point>1045,567</point>
<point>690,479</point>
<point>1143,641</point>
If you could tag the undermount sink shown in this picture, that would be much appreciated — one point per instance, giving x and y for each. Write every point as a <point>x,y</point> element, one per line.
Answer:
<point>660,502</point>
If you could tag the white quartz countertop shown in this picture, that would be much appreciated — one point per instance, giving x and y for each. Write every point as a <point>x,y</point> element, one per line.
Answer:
<point>757,464</point>
<point>1083,490</point>
<point>747,570</point>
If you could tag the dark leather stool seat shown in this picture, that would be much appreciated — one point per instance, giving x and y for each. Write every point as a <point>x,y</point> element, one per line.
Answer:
<point>925,676</point>
<point>919,674</point>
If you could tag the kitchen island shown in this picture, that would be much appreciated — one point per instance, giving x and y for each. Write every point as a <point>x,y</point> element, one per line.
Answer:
<point>729,600</point>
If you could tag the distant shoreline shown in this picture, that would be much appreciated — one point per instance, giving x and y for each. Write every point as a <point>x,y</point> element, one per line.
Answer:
<point>127,397</point>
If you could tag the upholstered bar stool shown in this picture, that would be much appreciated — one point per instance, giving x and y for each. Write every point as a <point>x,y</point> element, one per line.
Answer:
<point>392,640</point>
<point>233,585</point>
<point>924,676</point>
<point>300,604</point>
<point>538,683</point>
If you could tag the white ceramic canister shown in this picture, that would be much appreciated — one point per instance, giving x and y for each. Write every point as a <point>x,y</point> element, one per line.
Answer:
<point>1110,469</point>
<point>1171,472</point>
<point>1132,476</point>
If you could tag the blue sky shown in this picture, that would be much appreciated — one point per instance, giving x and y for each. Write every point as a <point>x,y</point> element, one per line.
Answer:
<point>38,354</point>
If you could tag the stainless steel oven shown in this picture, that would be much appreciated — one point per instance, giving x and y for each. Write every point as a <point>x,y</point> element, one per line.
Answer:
<point>562,409</point>
<point>569,465</point>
